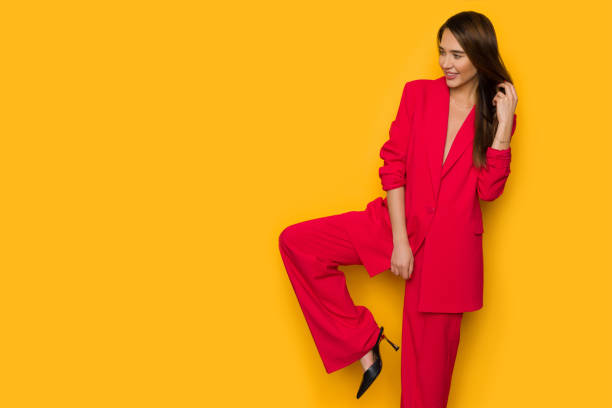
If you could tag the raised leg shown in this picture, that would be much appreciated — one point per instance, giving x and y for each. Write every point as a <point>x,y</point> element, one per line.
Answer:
<point>312,251</point>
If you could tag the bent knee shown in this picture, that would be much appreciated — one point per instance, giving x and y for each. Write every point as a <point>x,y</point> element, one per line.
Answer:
<point>290,236</point>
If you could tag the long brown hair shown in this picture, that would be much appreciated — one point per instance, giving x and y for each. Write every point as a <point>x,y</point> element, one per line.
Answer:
<point>476,35</point>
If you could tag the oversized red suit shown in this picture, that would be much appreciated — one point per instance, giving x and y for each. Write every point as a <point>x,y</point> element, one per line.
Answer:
<point>442,201</point>
<point>445,230</point>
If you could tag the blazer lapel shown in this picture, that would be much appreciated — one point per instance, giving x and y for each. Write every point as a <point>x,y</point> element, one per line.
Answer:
<point>438,120</point>
<point>464,137</point>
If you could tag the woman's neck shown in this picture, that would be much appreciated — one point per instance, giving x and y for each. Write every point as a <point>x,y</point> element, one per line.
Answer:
<point>464,95</point>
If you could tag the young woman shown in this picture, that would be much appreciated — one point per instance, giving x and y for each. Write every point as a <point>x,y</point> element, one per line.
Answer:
<point>448,148</point>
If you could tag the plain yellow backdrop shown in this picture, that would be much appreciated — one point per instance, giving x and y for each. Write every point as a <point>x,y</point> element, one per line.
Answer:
<point>152,152</point>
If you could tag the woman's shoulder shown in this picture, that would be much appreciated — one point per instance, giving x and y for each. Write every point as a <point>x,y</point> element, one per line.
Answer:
<point>422,87</point>
<point>426,83</point>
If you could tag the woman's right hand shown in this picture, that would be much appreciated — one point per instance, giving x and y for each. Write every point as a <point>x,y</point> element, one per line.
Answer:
<point>402,259</point>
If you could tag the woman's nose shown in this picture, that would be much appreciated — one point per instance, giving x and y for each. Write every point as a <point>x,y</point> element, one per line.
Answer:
<point>446,64</point>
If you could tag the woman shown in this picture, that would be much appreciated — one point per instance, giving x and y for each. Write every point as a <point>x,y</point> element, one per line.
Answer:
<point>448,147</point>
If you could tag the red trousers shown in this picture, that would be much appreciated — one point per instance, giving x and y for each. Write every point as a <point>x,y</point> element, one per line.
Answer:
<point>344,332</point>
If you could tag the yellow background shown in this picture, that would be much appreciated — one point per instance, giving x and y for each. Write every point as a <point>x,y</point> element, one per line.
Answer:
<point>152,152</point>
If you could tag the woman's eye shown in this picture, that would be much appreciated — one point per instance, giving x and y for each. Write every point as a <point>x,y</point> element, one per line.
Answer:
<point>457,56</point>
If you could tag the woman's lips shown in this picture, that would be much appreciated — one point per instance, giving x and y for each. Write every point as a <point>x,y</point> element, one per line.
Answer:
<point>449,76</point>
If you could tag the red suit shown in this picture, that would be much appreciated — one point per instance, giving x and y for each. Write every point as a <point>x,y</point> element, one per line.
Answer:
<point>444,225</point>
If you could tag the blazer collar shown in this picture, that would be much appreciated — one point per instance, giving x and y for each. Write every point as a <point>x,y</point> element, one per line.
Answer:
<point>439,125</point>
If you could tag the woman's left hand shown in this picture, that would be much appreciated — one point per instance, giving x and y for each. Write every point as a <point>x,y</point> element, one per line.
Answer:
<point>505,103</point>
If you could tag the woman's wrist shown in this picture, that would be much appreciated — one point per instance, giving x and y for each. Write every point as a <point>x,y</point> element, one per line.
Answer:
<point>501,141</point>
<point>400,238</point>
<point>501,144</point>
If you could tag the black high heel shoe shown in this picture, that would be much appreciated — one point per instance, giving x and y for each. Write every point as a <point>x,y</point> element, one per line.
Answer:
<point>372,372</point>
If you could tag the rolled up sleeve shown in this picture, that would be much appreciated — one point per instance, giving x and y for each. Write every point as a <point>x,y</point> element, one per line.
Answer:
<point>393,152</point>
<point>493,176</point>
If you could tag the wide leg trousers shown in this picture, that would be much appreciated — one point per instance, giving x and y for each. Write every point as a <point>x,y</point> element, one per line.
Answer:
<point>344,332</point>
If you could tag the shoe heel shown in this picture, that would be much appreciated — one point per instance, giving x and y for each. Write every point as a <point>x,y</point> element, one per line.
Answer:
<point>391,343</point>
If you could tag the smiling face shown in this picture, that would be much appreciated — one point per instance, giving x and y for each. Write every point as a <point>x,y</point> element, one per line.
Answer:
<point>454,61</point>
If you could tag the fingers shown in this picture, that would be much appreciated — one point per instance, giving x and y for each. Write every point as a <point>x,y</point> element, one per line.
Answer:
<point>394,270</point>
<point>513,91</point>
<point>402,267</point>
<point>510,92</point>
<point>406,270</point>
<point>499,95</point>
<point>397,270</point>
<point>505,86</point>
<point>508,87</point>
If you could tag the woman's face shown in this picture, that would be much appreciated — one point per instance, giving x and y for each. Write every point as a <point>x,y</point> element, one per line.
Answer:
<point>454,61</point>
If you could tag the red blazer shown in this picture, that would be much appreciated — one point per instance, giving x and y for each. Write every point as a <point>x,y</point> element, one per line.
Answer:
<point>442,201</point>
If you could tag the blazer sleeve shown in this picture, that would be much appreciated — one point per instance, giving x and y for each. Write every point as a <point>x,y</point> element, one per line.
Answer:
<point>492,178</point>
<point>393,152</point>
